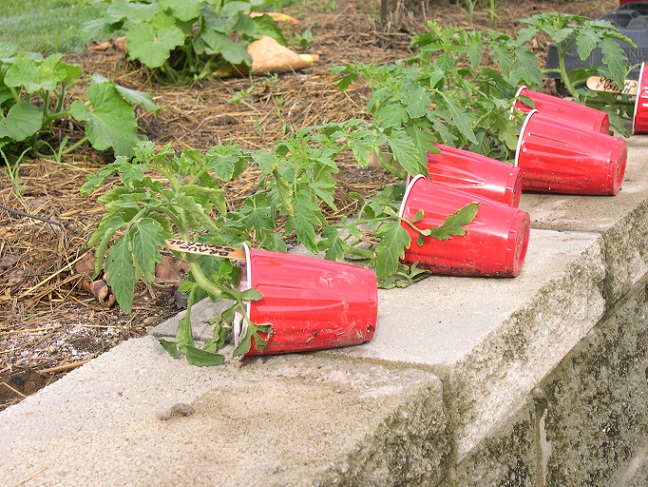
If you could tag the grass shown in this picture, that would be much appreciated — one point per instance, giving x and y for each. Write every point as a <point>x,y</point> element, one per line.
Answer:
<point>46,26</point>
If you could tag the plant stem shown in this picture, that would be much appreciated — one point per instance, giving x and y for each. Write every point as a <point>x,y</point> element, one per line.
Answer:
<point>398,172</point>
<point>74,146</point>
<point>563,71</point>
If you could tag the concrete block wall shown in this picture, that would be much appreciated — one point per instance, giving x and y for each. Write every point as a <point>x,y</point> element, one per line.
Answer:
<point>586,424</point>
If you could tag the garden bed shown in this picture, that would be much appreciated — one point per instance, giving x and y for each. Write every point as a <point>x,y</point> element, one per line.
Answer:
<point>48,323</point>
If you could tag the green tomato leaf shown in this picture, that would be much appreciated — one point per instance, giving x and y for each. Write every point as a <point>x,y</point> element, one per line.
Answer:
<point>325,192</point>
<point>416,101</point>
<point>475,52</point>
<point>202,358</point>
<point>527,67</point>
<point>406,152</point>
<point>267,161</point>
<point>259,218</point>
<point>454,224</point>
<point>146,241</point>
<point>461,121</point>
<point>170,347</point>
<point>392,115</point>
<point>284,190</point>
<point>23,120</point>
<point>393,241</point>
<point>424,138</point>
<point>228,162</point>
<point>120,272</point>
<point>251,295</point>
<point>615,59</point>
<point>253,333</point>
<point>110,122</point>
<point>332,243</point>
<point>586,42</point>
<point>306,217</point>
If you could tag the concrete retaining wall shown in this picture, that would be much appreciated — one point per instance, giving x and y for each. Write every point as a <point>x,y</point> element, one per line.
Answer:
<point>534,381</point>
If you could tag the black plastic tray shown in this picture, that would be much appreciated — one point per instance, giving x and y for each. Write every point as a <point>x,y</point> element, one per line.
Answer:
<point>631,20</point>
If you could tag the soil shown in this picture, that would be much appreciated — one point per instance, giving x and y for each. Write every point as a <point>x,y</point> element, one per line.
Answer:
<point>49,324</point>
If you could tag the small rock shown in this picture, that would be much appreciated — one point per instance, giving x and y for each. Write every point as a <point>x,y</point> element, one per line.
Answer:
<point>179,409</point>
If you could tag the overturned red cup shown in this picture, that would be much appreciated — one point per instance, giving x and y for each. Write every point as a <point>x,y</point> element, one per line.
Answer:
<point>569,112</point>
<point>475,173</point>
<point>311,303</point>
<point>556,157</point>
<point>495,243</point>
<point>640,118</point>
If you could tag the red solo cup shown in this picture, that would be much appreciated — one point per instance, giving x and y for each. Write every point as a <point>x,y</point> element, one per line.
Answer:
<point>640,119</point>
<point>476,174</point>
<point>495,243</point>
<point>311,303</point>
<point>572,113</point>
<point>556,157</point>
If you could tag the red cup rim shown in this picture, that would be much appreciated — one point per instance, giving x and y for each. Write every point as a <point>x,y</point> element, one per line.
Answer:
<point>521,137</point>
<point>518,241</point>
<point>516,187</point>
<point>401,210</point>
<point>639,90</point>
<point>240,325</point>
<point>523,87</point>
<point>617,166</point>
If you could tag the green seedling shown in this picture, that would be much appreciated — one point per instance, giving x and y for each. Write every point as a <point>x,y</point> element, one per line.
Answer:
<point>587,35</point>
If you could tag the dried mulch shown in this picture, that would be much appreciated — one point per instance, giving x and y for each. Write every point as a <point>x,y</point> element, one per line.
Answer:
<point>50,323</point>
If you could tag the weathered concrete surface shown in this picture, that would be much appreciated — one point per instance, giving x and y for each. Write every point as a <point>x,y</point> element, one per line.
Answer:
<point>507,459</point>
<point>263,423</point>
<point>596,402</point>
<point>586,424</point>
<point>621,220</point>
<point>492,340</point>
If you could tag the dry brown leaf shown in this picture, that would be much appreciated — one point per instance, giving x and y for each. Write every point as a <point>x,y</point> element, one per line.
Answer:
<point>277,17</point>
<point>100,290</point>
<point>268,56</point>
<point>119,44</point>
<point>85,265</point>
<point>167,270</point>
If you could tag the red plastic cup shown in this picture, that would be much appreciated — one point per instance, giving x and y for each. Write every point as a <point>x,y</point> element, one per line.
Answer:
<point>571,113</point>
<point>640,119</point>
<point>311,303</point>
<point>495,243</point>
<point>556,157</point>
<point>475,173</point>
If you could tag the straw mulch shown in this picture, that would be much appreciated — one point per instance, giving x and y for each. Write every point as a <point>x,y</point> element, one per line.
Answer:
<point>49,323</point>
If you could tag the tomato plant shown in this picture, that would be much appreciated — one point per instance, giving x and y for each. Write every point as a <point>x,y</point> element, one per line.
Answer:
<point>164,195</point>
<point>573,31</point>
